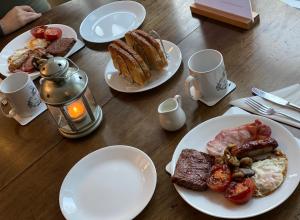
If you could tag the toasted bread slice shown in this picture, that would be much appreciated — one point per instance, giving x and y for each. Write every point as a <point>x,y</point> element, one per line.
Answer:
<point>154,42</point>
<point>128,64</point>
<point>136,56</point>
<point>118,61</point>
<point>147,47</point>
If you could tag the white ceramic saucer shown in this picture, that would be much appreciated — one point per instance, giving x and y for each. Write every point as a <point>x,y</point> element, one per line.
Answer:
<point>114,182</point>
<point>230,88</point>
<point>112,21</point>
<point>26,120</point>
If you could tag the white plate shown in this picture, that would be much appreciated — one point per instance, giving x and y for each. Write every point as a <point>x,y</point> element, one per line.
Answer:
<point>215,204</point>
<point>117,82</point>
<point>20,42</point>
<point>114,182</point>
<point>112,21</point>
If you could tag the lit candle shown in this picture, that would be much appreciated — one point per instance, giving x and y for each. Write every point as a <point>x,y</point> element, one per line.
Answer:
<point>76,110</point>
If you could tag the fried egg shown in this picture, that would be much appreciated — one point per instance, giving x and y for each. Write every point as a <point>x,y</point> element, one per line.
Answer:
<point>37,43</point>
<point>269,174</point>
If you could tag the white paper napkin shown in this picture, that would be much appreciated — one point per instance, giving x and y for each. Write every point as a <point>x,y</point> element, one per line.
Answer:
<point>291,93</point>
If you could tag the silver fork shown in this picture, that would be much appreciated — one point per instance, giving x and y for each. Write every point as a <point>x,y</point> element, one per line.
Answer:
<point>266,110</point>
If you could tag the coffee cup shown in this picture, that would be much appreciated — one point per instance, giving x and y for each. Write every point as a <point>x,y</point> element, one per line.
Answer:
<point>20,93</point>
<point>207,78</point>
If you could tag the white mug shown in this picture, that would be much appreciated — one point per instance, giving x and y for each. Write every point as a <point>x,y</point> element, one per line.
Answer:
<point>20,92</point>
<point>171,115</point>
<point>207,79</point>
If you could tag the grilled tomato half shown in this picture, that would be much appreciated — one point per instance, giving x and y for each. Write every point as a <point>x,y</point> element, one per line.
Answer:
<point>220,177</point>
<point>240,192</point>
<point>38,31</point>
<point>52,33</point>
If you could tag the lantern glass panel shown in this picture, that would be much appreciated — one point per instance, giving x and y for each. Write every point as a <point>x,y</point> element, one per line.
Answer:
<point>59,117</point>
<point>90,99</point>
<point>77,113</point>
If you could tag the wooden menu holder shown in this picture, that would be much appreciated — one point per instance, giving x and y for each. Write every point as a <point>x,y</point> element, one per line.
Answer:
<point>226,17</point>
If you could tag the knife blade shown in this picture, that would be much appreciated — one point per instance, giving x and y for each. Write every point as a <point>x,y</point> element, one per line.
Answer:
<point>275,99</point>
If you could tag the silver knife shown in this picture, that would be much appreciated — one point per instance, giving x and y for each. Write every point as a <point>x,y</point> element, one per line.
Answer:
<point>275,99</point>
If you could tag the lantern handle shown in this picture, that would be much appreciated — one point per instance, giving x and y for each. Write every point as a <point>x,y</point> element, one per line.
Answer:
<point>77,68</point>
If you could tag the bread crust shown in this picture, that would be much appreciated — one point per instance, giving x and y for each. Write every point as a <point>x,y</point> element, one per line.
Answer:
<point>145,49</point>
<point>154,42</point>
<point>136,56</point>
<point>127,64</point>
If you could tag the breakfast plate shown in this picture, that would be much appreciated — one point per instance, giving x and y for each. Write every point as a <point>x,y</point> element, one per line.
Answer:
<point>112,21</point>
<point>20,42</point>
<point>117,82</point>
<point>215,204</point>
<point>114,182</point>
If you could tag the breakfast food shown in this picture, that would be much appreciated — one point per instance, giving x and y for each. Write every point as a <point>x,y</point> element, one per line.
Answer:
<point>129,63</point>
<point>23,60</point>
<point>192,169</point>
<point>269,174</point>
<point>148,48</point>
<point>135,58</point>
<point>250,164</point>
<point>61,46</point>
<point>47,33</point>
<point>253,148</point>
<point>240,192</point>
<point>219,177</point>
<point>238,136</point>
<point>46,42</point>
<point>52,33</point>
<point>37,43</point>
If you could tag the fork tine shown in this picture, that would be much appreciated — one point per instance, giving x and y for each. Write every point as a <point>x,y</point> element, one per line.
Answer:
<point>255,106</point>
<point>259,104</point>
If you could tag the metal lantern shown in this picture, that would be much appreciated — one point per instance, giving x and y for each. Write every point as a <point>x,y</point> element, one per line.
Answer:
<point>69,100</point>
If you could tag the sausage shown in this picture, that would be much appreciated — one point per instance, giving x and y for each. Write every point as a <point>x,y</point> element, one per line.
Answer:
<point>254,148</point>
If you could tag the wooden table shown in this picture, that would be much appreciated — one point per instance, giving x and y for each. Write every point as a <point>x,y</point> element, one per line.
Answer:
<point>34,159</point>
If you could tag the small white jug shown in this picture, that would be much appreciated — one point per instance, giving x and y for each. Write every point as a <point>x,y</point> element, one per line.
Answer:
<point>171,115</point>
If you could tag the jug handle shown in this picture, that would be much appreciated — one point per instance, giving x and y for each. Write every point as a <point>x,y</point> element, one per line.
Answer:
<point>178,99</point>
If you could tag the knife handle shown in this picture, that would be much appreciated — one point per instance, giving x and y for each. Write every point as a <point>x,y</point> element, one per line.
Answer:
<point>296,107</point>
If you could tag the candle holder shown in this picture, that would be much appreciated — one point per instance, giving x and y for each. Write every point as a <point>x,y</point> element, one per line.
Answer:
<point>69,100</point>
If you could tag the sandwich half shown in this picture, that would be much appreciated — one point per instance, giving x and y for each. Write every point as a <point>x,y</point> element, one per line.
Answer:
<point>148,48</point>
<point>129,63</point>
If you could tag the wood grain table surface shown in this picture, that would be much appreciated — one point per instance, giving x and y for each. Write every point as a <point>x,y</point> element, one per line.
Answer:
<point>34,159</point>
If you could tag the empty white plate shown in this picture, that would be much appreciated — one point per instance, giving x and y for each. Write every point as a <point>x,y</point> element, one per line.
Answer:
<point>112,21</point>
<point>114,182</point>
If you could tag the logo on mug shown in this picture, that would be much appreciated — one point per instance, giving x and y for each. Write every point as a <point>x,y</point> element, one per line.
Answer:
<point>34,100</point>
<point>222,84</point>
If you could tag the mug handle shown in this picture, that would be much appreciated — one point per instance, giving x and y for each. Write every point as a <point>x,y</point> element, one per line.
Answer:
<point>11,113</point>
<point>189,82</point>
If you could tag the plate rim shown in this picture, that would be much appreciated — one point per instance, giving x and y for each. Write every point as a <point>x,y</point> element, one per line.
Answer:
<point>144,88</point>
<point>173,164</point>
<point>107,148</point>
<point>35,75</point>
<point>107,5</point>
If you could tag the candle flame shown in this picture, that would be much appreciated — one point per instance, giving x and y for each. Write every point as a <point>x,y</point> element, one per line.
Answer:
<point>76,109</point>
